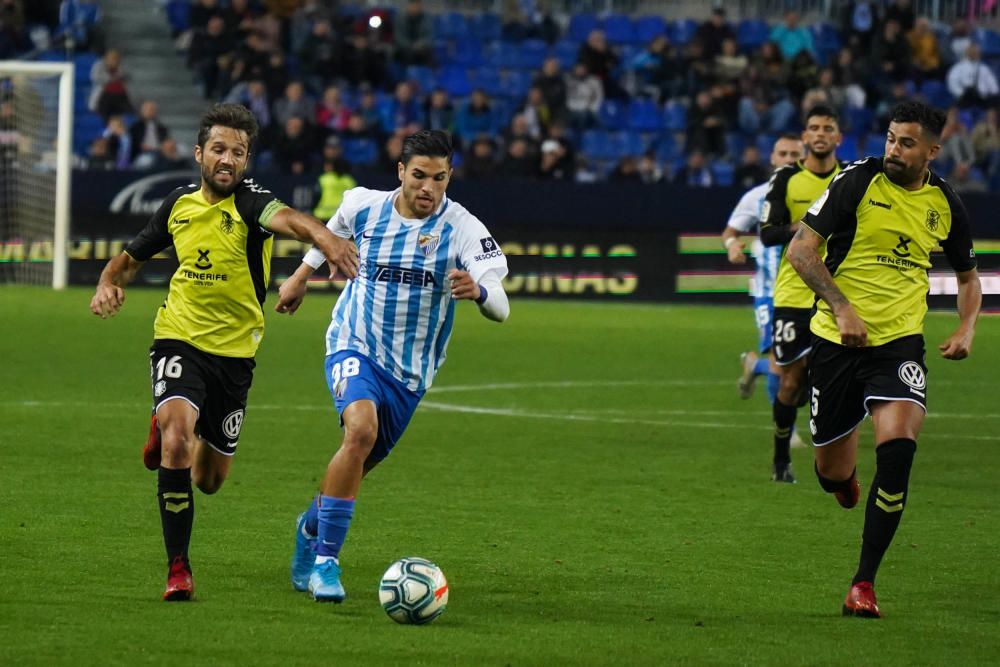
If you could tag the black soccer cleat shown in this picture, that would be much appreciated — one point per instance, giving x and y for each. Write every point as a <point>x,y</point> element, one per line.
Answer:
<point>782,472</point>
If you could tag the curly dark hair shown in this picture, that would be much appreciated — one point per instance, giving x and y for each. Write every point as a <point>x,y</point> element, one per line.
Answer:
<point>235,116</point>
<point>931,120</point>
<point>430,143</point>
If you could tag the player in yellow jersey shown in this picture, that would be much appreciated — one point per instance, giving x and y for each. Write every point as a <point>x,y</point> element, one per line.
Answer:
<point>792,190</point>
<point>881,219</point>
<point>207,331</point>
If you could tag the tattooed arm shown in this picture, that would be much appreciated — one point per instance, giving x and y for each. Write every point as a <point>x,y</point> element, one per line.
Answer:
<point>803,253</point>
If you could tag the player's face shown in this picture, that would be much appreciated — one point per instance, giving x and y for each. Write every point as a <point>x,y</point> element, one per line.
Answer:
<point>223,160</point>
<point>908,150</point>
<point>785,152</point>
<point>424,180</point>
<point>821,136</point>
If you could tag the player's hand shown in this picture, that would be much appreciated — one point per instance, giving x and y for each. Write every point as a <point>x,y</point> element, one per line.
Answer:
<point>290,296</point>
<point>735,252</point>
<point>462,285</point>
<point>107,301</point>
<point>957,346</point>
<point>853,332</point>
<point>341,255</point>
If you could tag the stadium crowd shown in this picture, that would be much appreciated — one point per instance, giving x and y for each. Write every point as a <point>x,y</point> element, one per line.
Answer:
<point>531,94</point>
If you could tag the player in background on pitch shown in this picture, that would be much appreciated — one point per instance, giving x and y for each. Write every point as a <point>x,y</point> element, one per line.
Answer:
<point>420,253</point>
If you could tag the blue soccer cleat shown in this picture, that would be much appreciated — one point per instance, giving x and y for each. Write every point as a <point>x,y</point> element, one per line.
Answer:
<point>324,583</point>
<point>304,557</point>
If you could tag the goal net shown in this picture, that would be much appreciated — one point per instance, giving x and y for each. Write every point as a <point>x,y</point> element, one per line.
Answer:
<point>36,121</point>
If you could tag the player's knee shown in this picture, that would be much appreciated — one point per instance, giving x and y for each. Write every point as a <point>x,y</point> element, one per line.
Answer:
<point>208,484</point>
<point>361,438</point>
<point>177,445</point>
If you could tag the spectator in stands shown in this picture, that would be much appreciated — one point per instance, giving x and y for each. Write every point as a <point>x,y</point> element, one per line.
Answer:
<point>901,11</point>
<point>318,57</point>
<point>295,103</point>
<point>657,70</point>
<point>476,117</point>
<point>883,110</point>
<point>890,55</point>
<point>249,59</point>
<point>536,113</point>
<point>210,55</point>
<point>413,33</point>
<point>268,28</point>
<point>481,159</point>
<point>650,171</point>
<point>240,17</point>
<point>986,143</point>
<point>697,71</point>
<point>119,143</point>
<point>362,62</point>
<point>405,107</point>
<point>826,92</point>
<point>80,25</point>
<point>203,11</point>
<point>925,50</point>
<point>147,133</point>
<point>765,105</point>
<point>859,24</point>
<point>558,155</point>
<point>520,130</point>
<point>599,60</point>
<point>803,74</point>
<point>520,160</point>
<point>333,182</point>
<point>99,156</point>
<point>706,126</point>
<point>959,40</point>
<point>391,152</point>
<point>962,178</point>
<point>971,82</point>
<point>792,37</point>
<point>712,33</point>
<point>253,95</point>
<point>695,172</point>
<point>584,95</point>
<point>848,74</point>
<point>168,158</point>
<point>13,36</point>
<point>357,128</point>
<point>514,26</point>
<point>552,83</point>
<point>751,170</point>
<point>730,65</point>
<point>293,148</point>
<point>109,91</point>
<point>331,113</point>
<point>626,171</point>
<point>956,144</point>
<point>440,112</point>
<point>368,107</point>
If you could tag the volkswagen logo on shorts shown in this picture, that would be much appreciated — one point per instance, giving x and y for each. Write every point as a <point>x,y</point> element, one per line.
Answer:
<point>232,424</point>
<point>912,374</point>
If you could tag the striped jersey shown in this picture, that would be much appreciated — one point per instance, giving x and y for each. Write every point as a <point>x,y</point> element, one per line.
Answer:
<point>398,311</point>
<point>745,218</point>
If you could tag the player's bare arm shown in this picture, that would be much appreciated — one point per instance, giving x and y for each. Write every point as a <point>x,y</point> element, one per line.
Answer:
<point>293,290</point>
<point>970,298</point>
<point>803,253</point>
<point>734,247</point>
<point>341,254</point>
<point>110,295</point>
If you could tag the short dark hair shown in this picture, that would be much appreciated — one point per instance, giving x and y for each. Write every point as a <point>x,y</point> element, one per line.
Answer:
<point>235,116</point>
<point>931,120</point>
<point>430,143</point>
<point>823,110</point>
<point>791,136</point>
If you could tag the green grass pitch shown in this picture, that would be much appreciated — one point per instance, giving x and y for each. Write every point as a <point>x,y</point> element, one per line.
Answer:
<point>584,474</point>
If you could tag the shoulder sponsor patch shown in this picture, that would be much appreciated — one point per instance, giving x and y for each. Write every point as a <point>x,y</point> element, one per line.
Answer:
<point>490,249</point>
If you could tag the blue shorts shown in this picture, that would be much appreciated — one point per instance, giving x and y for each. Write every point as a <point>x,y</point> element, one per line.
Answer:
<point>351,376</point>
<point>763,312</point>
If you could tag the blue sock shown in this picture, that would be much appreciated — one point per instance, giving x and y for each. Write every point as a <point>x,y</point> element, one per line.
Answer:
<point>334,520</point>
<point>312,517</point>
<point>762,367</point>
<point>773,382</point>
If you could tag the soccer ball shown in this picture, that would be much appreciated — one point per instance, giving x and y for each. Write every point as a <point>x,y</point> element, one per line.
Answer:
<point>413,591</point>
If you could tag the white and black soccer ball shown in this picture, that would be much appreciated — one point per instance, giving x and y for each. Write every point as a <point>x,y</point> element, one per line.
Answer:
<point>413,591</point>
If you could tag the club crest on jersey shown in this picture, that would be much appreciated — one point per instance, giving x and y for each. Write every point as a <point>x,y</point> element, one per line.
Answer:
<point>428,243</point>
<point>933,219</point>
<point>227,224</point>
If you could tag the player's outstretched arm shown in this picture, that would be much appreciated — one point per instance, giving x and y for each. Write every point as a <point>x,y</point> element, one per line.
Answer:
<point>734,247</point>
<point>341,254</point>
<point>110,295</point>
<point>488,294</point>
<point>293,290</point>
<point>970,300</point>
<point>803,253</point>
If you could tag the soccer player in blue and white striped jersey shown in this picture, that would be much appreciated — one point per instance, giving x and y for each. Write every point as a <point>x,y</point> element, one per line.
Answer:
<point>744,219</point>
<point>420,253</point>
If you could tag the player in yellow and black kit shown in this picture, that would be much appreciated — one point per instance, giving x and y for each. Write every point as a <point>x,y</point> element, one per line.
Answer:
<point>207,331</point>
<point>792,190</point>
<point>881,218</point>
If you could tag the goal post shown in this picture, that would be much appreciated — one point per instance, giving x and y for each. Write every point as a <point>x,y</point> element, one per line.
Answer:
<point>36,146</point>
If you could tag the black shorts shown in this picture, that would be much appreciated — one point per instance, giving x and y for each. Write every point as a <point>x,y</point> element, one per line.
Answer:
<point>216,386</point>
<point>790,335</point>
<point>843,380</point>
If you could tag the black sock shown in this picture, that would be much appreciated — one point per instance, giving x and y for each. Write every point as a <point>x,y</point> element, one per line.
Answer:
<point>832,485</point>
<point>885,503</point>
<point>784,420</point>
<point>176,509</point>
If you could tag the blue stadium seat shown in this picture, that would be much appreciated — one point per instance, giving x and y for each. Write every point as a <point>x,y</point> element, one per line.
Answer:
<point>455,80</point>
<point>647,28</point>
<point>613,115</point>
<point>632,143</point>
<point>722,172</point>
<point>485,27</point>
<point>581,25</point>
<point>84,61</point>
<point>645,115</point>
<point>618,29</point>
<point>826,40</point>
<point>989,42</point>
<point>765,143</point>
<point>848,149</point>
<point>735,143</point>
<point>450,25</point>
<point>179,15</point>
<point>936,93</point>
<point>531,54</point>
<point>598,145</point>
<point>501,55</point>
<point>860,120</point>
<point>422,76</point>
<point>751,33</point>
<point>682,31</point>
<point>360,151</point>
<point>675,117</point>
<point>442,52</point>
<point>874,145</point>
<point>489,79</point>
<point>667,149</point>
<point>516,84</point>
<point>52,56</point>
<point>467,52</point>
<point>566,51</point>
<point>970,116</point>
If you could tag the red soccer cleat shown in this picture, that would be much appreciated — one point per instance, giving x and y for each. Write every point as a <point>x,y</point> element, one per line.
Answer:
<point>151,452</point>
<point>861,601</point>
<point>849,498</point>
<point>180,585</point>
